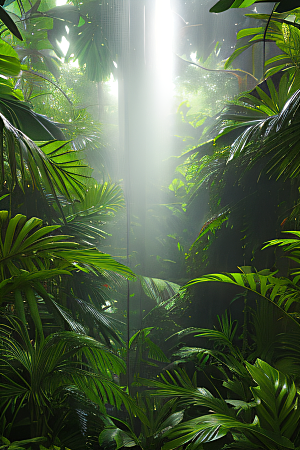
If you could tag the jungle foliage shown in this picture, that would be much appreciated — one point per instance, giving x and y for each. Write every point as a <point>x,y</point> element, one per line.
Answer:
<point>70,377</point>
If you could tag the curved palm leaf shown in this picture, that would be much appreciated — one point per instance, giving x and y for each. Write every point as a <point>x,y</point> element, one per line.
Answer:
<point>159,290</point>
<point>273,343</point>
<point>101,321</point>
<point>27,245</point>
<point>98,204</point>
<point>265,285</point>
<point>29,253</point>
<point>52,165</point>
<point>36,126</point>
<point>141,343</point>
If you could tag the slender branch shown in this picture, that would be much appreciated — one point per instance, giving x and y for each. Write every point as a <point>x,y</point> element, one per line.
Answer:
<point>32,72</point>
<point>232,72</point>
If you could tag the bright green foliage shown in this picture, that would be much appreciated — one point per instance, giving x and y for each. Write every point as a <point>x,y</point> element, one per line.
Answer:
<point>99,204</point>
<point>18,445</point>
<point>255,282</point>
<point>281,291</point>
<point>271,119</point>
<point>29,246</point>
<point>9,61</point>
<point>223,5</point>
<point>30,253</point>
<point>279,30</point>
<point>54,164</point>
<point>94,41</point>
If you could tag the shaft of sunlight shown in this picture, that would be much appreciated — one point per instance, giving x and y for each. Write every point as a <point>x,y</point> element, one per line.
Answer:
<point>163,45</point>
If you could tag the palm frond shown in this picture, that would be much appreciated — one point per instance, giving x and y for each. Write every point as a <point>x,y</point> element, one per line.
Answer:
<point>157,289</point>
<point>53,165</point>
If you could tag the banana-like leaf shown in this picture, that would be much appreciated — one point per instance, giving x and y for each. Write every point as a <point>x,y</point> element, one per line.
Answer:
<point>9,23</point>
<point>35,126</point>
<point>9,60</point>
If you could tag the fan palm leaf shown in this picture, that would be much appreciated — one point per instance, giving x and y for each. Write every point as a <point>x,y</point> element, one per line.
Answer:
<point>277,298</point>
<point>34,375</point>
<point>84,219</point>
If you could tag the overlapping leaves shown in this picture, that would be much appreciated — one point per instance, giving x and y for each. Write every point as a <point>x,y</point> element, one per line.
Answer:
<point>272,119</point>
<point>34,376</point>
<point>96,41</point>
<point>283,5</point>
<point>161,418</point>
<point>275,415</point>
<point>279,30</point>
<point>53,165</point>
<point>31,253</point>
<point>27,245</point>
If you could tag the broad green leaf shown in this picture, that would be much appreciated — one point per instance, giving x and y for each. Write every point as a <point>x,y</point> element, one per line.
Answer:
<point>9,23</point>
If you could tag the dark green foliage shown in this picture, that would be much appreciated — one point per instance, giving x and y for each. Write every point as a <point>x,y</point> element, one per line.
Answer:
<point>40,380</point>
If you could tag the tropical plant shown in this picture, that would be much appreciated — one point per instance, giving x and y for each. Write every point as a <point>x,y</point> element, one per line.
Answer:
<point>30,253</point>
<point>279,30</point>
<point>41,379</point>
<point>162,416</point>
<point>274,422</point>
<point>282,6</point>
<point>92,33</point>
